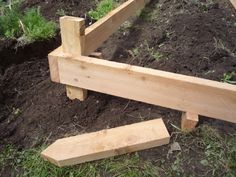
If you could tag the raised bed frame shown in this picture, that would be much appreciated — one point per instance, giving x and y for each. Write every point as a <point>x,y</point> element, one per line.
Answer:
<point>71,65</point>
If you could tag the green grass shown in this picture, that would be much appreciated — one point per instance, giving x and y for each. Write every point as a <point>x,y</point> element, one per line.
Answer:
<point>103,7</point>
<point>205,148</point>
<point>228,77</point>
<point>36,27</point>
<point>30,164</point>
<point>145,51</point>
<point>216,152</point>
<point>25,27</point>
<point>9,22</point>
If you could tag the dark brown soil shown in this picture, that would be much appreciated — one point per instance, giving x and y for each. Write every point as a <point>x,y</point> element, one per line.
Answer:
<point>193,40</point>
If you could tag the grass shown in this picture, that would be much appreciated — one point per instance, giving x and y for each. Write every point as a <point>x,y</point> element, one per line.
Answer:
<point>25,27</point>
<point>216,152</point>
<point>103,7</point>
<point>30,164</point>
<point>145,51</point>
<point>9,21</point>
<point>229,77</point>
<point>205,149</point>
<point>36,27</point>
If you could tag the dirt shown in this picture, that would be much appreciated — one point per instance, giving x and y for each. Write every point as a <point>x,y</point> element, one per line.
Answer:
<point>193,40</point>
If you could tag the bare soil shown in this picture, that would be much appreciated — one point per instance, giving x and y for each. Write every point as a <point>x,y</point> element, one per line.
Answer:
<point>34,110</point>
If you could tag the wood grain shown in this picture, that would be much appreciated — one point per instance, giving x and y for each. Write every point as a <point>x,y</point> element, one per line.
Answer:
<point>176,91</point>
<point>107,143</point>
<point>73,41</point>
<point>189,121</point>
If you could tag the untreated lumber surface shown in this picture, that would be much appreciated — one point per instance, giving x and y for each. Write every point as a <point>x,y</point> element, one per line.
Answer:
<point>76,93</point>
<point>234,3</point>
<point>189,121</point>
<point>107,143</point>
<point>72,36</point>
<point>176,91</point>
<point>97,33</point>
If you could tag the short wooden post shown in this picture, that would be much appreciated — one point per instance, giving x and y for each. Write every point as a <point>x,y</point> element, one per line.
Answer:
<point>189,121</point>
<point>73,39</point>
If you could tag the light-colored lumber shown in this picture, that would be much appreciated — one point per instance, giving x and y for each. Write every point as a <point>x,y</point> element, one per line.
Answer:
<point>97,33</point>
<point>72,36</point>
<point>233,3</point>
<point>107,143</point>
<point>176,91</point>
<point>76,93</point>
<point>189,121</point>
<point>53,66</point>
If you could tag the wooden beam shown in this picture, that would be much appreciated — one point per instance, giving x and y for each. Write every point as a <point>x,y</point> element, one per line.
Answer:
<point>72,36</point>
<point>97,33</point>
<point>233,3</point>
<point>189,121</point>
<point>176,91</point>
<point>107,143</point>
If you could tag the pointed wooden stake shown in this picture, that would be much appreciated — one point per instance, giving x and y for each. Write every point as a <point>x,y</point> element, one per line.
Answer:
<point>106,143</point>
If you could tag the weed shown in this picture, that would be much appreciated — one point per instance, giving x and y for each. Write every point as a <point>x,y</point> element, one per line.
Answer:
<point>144,50</point>
<point>16,112</point>
<point>219,45</point>
<point>135,52</point>
<point>152,52</point>
<point>103,7</point>
<point>228,77</point>
<point>32,165</point>
<point>220,152</point>
<point>61,12</point>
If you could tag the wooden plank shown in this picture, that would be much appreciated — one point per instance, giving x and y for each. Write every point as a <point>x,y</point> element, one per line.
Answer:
<point>72,36</point>
<point>233,3</point>
<point>107,143</point>
<point>189,121</point>
<point>97,33</point>
<point>176,91</point>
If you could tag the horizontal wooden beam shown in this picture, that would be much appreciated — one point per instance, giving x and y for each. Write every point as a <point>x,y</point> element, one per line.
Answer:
<point>107,143</point>
<point>176,91</point>
<point>97,33</point>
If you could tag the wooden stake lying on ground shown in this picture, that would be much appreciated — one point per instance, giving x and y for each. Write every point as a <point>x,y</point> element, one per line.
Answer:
<point>107,143</point>
<point>72,36</point>
<point>189,121</point>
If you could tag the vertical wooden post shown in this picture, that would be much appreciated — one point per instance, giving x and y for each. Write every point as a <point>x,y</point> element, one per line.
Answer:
<point>73,38</point>
<point>188,121</point>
